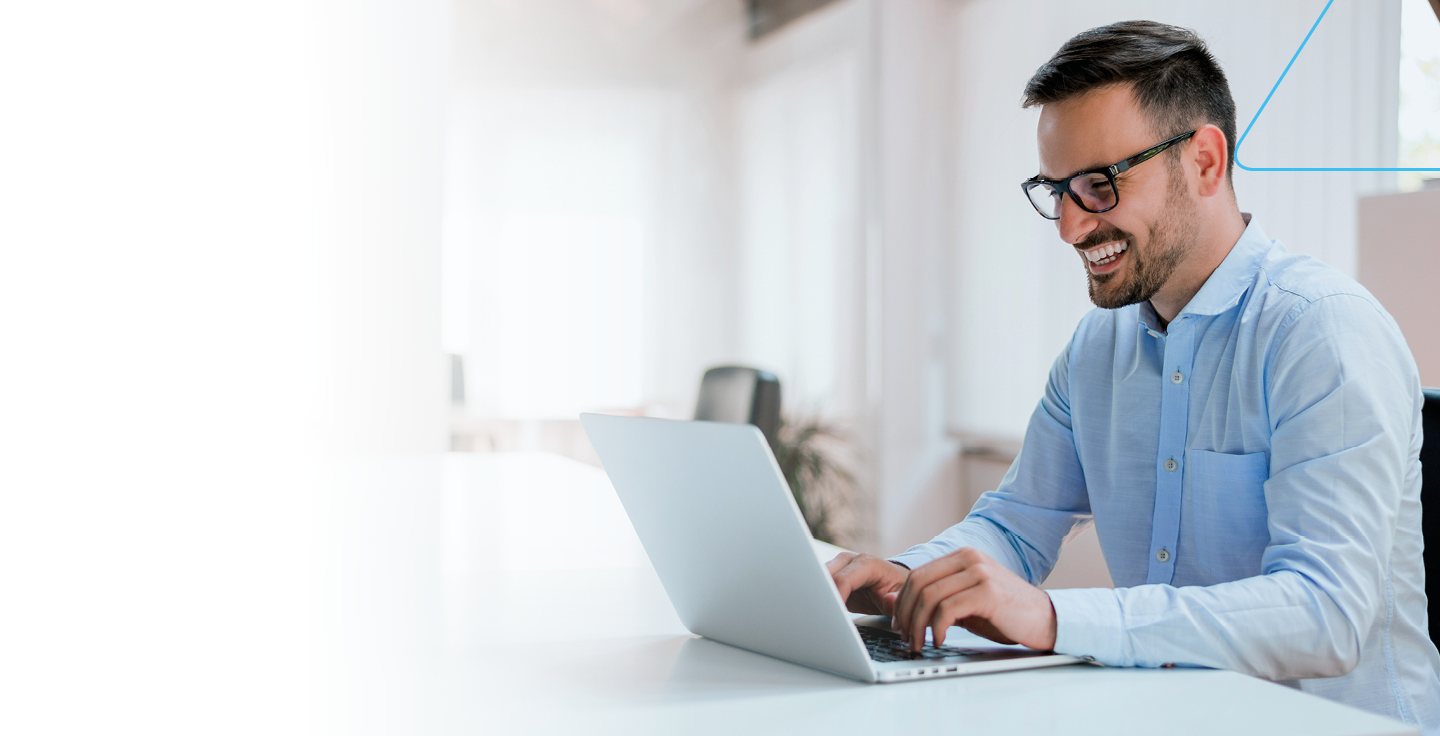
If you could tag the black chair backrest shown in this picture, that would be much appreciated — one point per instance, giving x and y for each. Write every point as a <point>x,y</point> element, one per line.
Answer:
<point>1430,505</point>
<point>741,395</point>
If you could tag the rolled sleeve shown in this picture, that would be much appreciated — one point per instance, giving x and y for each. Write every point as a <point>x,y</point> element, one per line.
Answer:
<point>1023,522</point>
<point>977,532</point>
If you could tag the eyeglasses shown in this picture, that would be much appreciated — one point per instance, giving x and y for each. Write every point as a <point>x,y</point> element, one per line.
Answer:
<point>1093,190</point>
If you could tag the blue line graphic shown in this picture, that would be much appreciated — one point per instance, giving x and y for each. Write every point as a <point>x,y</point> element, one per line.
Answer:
<point>1272,94</point>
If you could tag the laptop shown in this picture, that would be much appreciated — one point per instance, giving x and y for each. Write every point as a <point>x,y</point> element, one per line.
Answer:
<point>734,554</point>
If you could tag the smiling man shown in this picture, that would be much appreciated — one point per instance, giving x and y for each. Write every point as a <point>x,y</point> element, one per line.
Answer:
<point>1242,423</point>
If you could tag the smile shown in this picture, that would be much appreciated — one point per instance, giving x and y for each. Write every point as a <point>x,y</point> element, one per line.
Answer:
<point>1104,254</point>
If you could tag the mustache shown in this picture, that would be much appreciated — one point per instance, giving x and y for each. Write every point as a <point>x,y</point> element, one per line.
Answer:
<point>1097,237</point>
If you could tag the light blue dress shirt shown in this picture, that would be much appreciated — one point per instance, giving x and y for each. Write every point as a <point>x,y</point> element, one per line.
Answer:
<point>1253,476</point>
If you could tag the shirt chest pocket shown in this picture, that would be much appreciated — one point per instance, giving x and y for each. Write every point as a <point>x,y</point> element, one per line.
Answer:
<point>1228,506</point>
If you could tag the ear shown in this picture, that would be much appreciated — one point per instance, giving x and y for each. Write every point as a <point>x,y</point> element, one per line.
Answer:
<point>1209,153</point>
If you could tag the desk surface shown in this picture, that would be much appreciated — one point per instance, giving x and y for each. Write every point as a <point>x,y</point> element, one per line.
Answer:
<point>508,594</point>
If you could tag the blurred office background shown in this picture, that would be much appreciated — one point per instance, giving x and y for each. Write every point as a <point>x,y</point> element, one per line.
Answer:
<point>426,226</point>
<point>234,236</point>
<point>636,190</point>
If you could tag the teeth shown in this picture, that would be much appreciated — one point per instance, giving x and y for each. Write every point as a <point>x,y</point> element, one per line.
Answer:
<point>1104,253</point>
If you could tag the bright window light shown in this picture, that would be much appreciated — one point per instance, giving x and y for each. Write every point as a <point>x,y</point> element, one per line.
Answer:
<point>1419,92</point>
<point>549,213</point>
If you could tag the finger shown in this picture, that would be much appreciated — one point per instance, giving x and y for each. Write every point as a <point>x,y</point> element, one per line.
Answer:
<point>835,566</point>
<point>952,610</point>
<point>924,575</point>
<point>849,577</point>
<point>895,613</point>
<point>839,562</point>
<point>928,601</point>
<point>842,584</point>
<point>887,603</point>
<point>904,603</point>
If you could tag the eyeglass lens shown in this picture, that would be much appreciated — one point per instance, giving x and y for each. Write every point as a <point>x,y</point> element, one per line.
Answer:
<point>1093,191</point>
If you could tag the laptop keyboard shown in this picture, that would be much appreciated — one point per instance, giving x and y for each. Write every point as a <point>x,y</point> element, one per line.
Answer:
<point>886,646</point>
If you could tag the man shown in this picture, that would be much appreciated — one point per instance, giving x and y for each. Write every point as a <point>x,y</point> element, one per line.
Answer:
<point>1242,423</point>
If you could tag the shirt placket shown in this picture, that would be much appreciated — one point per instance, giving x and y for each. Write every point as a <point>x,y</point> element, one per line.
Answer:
<point>1170,457</point>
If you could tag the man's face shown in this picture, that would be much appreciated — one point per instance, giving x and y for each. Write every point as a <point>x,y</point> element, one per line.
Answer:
<point>1130,252</point>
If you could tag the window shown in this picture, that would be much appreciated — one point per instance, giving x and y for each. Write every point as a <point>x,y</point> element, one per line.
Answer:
<point>800,216</point>
<point>549,209</point>
<point>1419,92</point>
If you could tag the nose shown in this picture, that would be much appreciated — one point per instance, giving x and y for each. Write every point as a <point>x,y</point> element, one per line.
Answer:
<point>1074,223</point>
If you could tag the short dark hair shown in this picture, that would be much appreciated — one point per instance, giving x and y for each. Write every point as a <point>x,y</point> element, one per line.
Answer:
<point>1176,81</point>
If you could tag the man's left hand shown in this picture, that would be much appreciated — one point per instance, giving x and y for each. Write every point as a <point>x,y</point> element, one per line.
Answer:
<point>967,588</point>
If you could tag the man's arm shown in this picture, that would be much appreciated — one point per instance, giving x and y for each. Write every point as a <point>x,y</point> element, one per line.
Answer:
<point>1022,523</point>
<point>1343,399</point>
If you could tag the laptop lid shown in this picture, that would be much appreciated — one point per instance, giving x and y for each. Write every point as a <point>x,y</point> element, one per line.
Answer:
<point>727,539</point>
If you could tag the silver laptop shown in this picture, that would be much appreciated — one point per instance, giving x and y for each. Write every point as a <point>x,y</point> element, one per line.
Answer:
<point>735,557</point>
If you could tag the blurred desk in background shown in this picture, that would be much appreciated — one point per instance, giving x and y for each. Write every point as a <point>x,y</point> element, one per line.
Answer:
<point>507,593</point>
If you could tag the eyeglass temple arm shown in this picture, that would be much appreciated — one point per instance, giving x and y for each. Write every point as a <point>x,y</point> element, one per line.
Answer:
<point>1146,155</point>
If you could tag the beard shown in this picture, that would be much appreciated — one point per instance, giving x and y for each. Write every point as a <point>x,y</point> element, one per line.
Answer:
<point>1170,241</point>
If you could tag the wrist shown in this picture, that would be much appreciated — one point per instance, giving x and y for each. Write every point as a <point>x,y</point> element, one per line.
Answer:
<point>1051,628</point>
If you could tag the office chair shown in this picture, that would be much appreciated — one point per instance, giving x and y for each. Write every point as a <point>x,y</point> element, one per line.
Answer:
<point>1430,505</point>
<point>741,395</point>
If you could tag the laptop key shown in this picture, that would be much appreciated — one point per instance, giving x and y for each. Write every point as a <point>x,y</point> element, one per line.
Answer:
<point>886,646</point>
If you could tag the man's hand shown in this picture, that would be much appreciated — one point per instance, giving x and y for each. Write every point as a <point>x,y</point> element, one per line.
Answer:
<point>867,583</point>
<point>967,588</point>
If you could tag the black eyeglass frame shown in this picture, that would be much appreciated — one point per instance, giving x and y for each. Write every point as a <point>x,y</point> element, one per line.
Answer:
<point>1110,172</point>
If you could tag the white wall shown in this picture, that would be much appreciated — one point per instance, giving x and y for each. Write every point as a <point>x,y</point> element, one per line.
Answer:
<point>384,70</point>
<point>844,138</point>
<point>801,230</point>
<point>219,230</point>
<point>803,209</point>
<point>600,119</point>
<point>551,205</point>
<point>919,463</point>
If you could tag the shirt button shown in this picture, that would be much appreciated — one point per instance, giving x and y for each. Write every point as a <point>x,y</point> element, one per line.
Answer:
<point>1176,377</point>
<point>1153,333</point>
<point>1170,465</point>
<point>1162,556</point>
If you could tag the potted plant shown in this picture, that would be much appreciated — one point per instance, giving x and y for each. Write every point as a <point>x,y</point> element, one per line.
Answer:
<point>809,451</point>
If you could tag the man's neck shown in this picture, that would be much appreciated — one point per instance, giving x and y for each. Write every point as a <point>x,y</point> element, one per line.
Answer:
<point>1214,243</point>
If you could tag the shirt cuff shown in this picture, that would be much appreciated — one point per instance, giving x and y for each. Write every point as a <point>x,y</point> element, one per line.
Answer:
<point>912,559</point>
<point>1089,624</point>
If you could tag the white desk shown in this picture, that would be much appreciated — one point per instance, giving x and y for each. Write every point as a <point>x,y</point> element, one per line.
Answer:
<point>502,594</point>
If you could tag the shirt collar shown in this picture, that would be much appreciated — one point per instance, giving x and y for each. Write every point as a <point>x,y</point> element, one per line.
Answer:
<point>1234,276</point>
